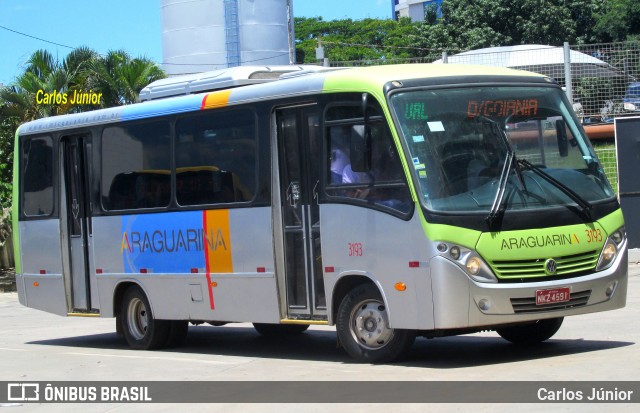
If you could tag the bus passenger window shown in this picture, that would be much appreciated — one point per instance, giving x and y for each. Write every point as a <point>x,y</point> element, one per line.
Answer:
<point>216,158</point>
<point>37,177</point>
<point>136,166</point>
<point>384,185</point>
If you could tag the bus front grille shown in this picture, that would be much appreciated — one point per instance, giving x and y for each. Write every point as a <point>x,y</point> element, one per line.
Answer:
<point>528,305</point>
<point>567,265</point>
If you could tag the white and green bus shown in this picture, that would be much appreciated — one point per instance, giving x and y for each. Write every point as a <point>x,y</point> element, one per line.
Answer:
<point>392,202</point>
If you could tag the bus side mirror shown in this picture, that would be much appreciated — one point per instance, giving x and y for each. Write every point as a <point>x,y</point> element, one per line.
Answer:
<point>561,133</point>
<point>360,148</point>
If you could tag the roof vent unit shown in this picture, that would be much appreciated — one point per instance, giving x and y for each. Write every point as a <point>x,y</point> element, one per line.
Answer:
<point>219,79</point>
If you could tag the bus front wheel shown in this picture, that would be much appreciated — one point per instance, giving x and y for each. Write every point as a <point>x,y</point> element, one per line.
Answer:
<point>363,328</point>
<point>140,329</point>
<point>528,334</point>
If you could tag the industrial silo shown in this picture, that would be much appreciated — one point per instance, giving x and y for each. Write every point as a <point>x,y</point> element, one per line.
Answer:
<point>203,35</point>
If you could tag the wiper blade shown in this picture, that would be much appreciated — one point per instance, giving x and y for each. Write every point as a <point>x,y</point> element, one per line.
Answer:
<point>577,198</point>
<point>494,213</point>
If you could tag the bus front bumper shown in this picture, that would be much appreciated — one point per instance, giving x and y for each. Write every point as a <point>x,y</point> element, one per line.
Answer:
<point>460,302</point>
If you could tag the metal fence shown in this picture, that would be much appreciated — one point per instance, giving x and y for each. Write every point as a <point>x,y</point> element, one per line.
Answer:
<point>604,78</point>
<point>609,160</point>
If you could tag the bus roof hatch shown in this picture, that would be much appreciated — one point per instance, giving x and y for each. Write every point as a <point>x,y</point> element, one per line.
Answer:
<point>220,79</point>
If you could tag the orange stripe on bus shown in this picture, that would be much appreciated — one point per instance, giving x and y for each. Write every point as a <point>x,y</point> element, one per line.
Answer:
<point>217,249</point>
<point>216,99</point>
<point>219,254</point>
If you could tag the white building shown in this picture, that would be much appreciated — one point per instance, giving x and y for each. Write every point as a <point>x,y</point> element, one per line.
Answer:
<point>414,9</point>
<point>205,35</point>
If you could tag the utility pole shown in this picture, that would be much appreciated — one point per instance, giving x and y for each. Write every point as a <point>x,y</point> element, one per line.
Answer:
<point>320,54</point>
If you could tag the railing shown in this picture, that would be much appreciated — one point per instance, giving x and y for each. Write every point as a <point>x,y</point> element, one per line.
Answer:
<point>602,80</point>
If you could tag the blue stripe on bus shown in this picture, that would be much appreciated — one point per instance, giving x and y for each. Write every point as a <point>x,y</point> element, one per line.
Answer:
<point>173,242</point>
<point>162,107</point>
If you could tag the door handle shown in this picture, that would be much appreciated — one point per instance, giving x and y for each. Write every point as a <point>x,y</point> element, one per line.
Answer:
<point>293,194</point>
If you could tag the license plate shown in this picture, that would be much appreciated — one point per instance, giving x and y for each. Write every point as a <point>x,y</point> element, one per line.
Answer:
<point>556,295</point>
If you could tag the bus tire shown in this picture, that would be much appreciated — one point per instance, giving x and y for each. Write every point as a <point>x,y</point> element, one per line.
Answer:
<point>534,333</point>
<point>141,330</point>
<point>272,330</point>
<point>363,328</point>
<point>178,330</point>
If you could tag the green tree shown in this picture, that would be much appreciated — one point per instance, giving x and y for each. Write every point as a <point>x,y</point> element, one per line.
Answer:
<point>484,23</point>
<point>617,20</point>
<point>119,77</point>
<point>348,39</point>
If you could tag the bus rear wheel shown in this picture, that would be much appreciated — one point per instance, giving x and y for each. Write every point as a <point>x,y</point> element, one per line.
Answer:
<point>140,329</point>
<point>363,328</point>
<point>534,333</point>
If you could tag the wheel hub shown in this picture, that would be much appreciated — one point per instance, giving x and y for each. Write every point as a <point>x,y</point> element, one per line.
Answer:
<point>370,325</point>
<point>138,318</point>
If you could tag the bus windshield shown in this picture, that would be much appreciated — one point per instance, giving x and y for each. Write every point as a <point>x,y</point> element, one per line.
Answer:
<point>519,147</point>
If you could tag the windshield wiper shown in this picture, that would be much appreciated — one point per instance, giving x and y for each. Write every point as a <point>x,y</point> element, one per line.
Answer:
<point>510,163</point>
<point>577,198</point>
<point>494,213</point>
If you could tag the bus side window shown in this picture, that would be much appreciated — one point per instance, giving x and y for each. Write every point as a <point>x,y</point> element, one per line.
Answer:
<point>384,185</point>
<point>37,176</point>
<point>136,166</point>
<point>216,158</point>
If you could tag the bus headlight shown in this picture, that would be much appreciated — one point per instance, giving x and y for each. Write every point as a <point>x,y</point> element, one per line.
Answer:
<point>609,252</point>
<point>473,265</point>
<point>455,252</point>
<point>468,260</point>
<point>611,248</point>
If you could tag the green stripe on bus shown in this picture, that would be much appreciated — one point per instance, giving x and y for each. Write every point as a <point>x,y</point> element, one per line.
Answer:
<point>15,207</point>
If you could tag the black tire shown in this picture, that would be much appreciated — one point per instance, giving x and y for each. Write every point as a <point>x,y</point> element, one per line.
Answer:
<point>273,330</point>
<point>140,329</point>
<point>178,330</point>
<point>363,328</point>
<point>533,333</point>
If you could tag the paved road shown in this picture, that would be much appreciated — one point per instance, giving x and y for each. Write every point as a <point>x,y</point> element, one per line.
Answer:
<point>36,346</point>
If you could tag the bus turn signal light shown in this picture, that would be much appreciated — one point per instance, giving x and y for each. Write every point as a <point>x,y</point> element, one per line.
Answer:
<point>401,286</point>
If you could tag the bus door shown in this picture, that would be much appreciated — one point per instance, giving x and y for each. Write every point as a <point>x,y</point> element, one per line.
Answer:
<point>299,148</point>
<point>76,223</point>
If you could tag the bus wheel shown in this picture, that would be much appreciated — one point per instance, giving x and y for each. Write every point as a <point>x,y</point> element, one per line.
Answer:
<point>363,328</point>
<point>534,333</point>
<point>271,330</point>
<point>140,329</point>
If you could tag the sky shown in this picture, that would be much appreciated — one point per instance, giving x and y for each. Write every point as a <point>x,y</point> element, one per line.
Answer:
<point>131,25</point>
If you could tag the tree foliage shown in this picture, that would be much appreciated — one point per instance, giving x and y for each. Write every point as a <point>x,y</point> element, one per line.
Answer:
<point>617,20</point>
<point>471,24</point>
<point>117,76</point>
<point>348,39</point>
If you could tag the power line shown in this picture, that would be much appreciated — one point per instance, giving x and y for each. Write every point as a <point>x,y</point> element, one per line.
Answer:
<point>164,63</point>
<point>37,38</point>
<point>213,64</point>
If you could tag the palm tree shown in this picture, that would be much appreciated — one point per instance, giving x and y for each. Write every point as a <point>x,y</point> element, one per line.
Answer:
<point>119,77</point>
<point>44,74</point>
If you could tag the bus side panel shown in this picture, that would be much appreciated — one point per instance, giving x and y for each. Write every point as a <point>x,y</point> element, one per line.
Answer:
<point>249,292</point>
<point>214,265</point>
<point>375,244</point>
<point>40,250</point>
